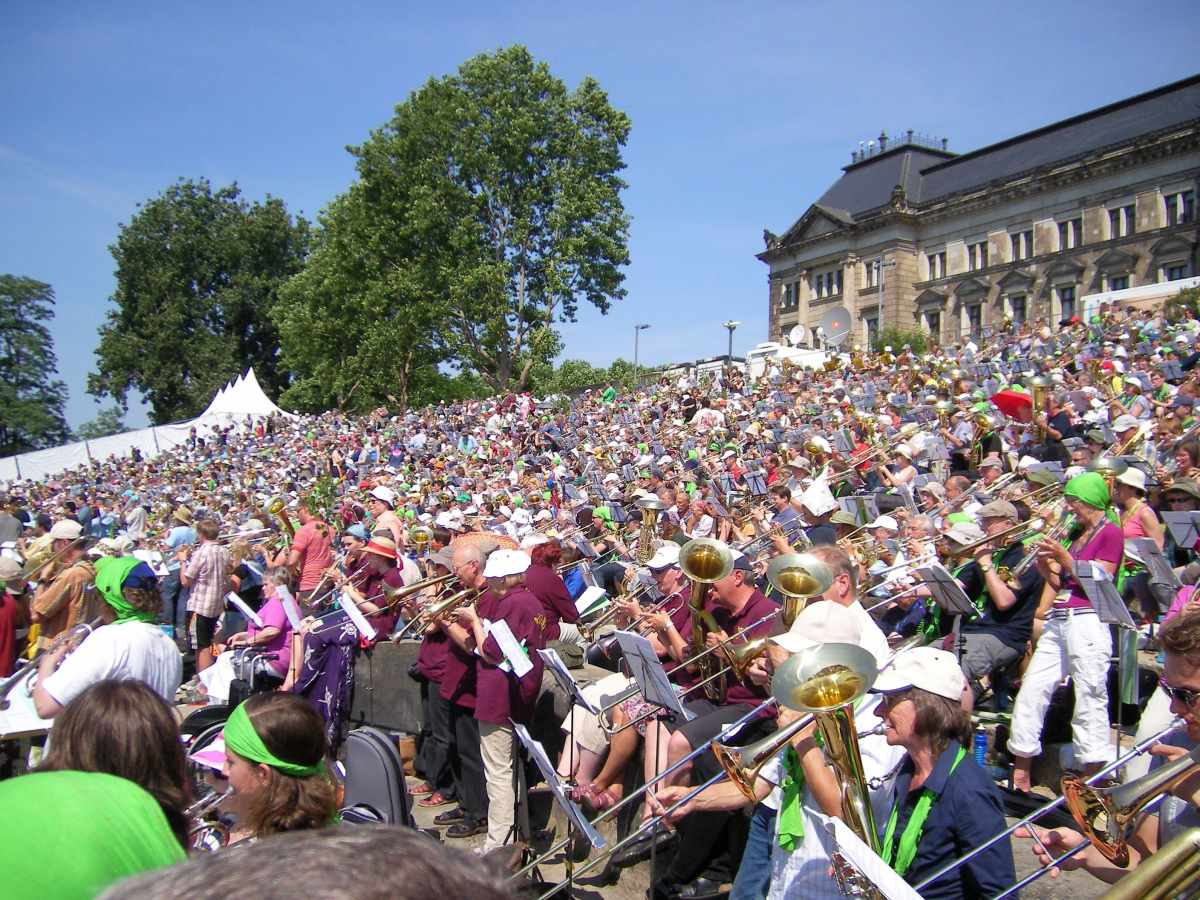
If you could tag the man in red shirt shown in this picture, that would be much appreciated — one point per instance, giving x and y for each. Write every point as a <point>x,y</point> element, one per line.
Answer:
<point>12,616</point>
<point>312,551</point>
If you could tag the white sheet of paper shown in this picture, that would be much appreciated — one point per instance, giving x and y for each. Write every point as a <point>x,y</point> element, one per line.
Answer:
<point>240,604</point>
<point>589,598</point>
<point>21,718</point>
<point>514,653</point>
<point>153,559</point>
<point>290,609</point>
<point>868,862</point>
<point>356,616</point>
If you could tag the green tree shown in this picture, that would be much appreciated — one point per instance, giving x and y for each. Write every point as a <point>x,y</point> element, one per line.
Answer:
<point>1186,299</point>
<point>31,399</point>
<point>897,337</point>
<point>359,327</point>
<point>576,374</point>
<point>198,274</point>
<point>503,187</point>
<point>108,421</point>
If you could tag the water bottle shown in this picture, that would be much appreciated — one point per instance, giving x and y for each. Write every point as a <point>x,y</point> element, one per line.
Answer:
<point>981,747</point>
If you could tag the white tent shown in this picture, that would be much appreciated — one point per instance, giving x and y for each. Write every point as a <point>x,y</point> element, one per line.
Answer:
<point>229,408</point>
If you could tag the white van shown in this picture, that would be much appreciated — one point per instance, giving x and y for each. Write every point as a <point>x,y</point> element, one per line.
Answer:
<point>756,359</point>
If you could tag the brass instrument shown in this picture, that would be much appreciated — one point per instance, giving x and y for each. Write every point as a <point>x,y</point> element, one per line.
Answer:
<point>1171,872</point>
<point>1109,468</point>
<point>422,537</point>
<point>435,610</point>
<point>944,409</point>
<point>651,508</point>
<point>1106,815</point>
<point>826,681</point>
<point>983,427</point>
<point>37,562</point>
<point>76,635</point>
<point>1012,534</point>
<point>704,562</point>
<point>276,507</point>
<point>1039,391</point>
<point>799,577</point>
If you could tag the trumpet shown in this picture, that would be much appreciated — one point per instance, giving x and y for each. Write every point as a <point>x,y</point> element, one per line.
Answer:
<point>609,614</point>
<point>435,611</point>
<point>422,537</point>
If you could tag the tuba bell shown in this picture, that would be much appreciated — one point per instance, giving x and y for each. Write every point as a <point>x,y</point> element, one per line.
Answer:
<point>276,507</point>
<point>799,577</point>
<point>422,536</point>
<point>704,562</point>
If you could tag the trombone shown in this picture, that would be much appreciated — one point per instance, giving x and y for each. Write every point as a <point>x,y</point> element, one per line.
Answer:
<point>435,611</point>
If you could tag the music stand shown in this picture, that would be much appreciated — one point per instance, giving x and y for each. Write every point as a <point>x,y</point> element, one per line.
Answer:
<point>843,441</point>
<point>647,670</point>
<point>727,484</point>
<point>1146,550</point>
<point>628,473</point>
<point>718,509</point>
<point>947,594</point>
<point>756,484</point>
<point>619,516</point>
<point>1184,527</point>
<point>1098,585</point>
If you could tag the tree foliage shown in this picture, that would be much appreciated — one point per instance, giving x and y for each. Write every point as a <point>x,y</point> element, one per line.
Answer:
<point>1188,298</point>
<point>484,212</point>
<point>108,421</point>
<point>31,398</point>
<point>897,337</point>
<point>198,275</point>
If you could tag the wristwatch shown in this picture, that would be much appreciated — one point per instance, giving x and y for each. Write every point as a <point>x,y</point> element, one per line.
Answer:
<point>986,567</point>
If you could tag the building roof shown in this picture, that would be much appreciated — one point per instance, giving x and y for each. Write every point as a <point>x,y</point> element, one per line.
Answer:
<point>929,175</point>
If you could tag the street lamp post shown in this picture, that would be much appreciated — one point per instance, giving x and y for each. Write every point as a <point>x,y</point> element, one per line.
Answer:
<point>637,329</point>
<point>729,356</point>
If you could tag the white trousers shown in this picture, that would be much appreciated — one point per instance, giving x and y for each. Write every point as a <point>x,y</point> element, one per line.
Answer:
<point>1079,646</point>
<point>1155,717</point>
<point>496,748</point>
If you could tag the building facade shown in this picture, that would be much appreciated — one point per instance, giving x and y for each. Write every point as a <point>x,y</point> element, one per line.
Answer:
<point>1043,224</point>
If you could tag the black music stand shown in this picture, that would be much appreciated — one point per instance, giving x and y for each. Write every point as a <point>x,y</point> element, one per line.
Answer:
<point>950,597</point>
<point>647,670</point>
<point>1098,585</point>
<point>756,484</point>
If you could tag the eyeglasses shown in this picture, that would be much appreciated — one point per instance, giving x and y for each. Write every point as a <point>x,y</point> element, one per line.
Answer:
<point>888,701</point>
<point>1186,697</point>
<point>1178,499</point>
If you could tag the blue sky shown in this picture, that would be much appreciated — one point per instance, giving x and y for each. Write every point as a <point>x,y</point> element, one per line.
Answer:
<point>743,113</point>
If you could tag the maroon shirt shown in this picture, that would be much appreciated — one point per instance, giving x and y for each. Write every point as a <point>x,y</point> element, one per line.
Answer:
<point>500,695</point>
<point>385,622</point>
<point>431,658</point>
<point>554,597</point>
<point>754,609</point>
<point>9,615</point>
<point>458,679</point>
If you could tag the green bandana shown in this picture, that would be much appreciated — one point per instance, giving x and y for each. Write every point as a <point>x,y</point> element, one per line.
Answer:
<point>791,815</point>
<point>110,574</point>
<point>1088,488</point>
<point>242,739</point>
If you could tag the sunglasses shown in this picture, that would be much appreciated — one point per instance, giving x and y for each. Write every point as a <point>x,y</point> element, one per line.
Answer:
<point>1183,695</point>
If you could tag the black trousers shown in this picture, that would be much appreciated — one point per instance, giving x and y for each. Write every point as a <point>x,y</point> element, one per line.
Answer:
<point>435,748</point>
<point>711,842</point>
<point>466,762</point>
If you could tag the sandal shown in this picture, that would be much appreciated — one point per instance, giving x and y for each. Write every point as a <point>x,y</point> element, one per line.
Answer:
<point>434,799</point>
<point>597,800</point>
<point>467,828</point>
<point>421,789</point>
<point>579,791</point>
<point>450,816</point>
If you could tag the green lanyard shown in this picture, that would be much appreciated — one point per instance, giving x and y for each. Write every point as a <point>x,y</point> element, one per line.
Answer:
<point>912,831</point>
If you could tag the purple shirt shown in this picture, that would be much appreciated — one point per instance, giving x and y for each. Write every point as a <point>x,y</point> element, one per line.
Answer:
<point>500,695</point>
<point>551,592</point>
<point>273,616</point>
<point>1106,545</point>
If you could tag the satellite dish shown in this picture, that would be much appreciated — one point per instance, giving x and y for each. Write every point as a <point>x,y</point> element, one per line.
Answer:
<point>836,325</point>
<point>797,335</point>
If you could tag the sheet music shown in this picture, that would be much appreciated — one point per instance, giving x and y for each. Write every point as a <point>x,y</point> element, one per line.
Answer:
<point>1183,527</point>
<point>945,590</point>
<point>1160,570</point>
<point>565,679</point>
<point>590,600</point>
<point>1102,593</point>
<point>355,615</point>
<point>869,863</point>
<point>153,559</point>
<point>21,718</point>
<point>515,657</point>
<point>538,754</point>
<point>290,609</point>
<point>240,604</point>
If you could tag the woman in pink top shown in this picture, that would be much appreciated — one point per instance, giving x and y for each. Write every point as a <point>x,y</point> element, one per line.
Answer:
<point>1137,518</point>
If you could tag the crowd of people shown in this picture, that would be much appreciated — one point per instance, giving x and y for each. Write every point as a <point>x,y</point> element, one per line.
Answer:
<point>1023,468</point>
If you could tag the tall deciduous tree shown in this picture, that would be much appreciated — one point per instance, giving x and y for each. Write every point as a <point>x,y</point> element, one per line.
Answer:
<point>490,204</point>
<point>198,275</point>
<point>31,399</point>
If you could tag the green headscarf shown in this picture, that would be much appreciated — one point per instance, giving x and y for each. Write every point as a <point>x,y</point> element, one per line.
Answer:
<point>1089,488</point>
<point>242,739</point>
<point>110,575</point>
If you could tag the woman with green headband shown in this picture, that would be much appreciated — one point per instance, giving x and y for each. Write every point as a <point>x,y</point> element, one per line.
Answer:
<point>275,761</point>
<point>1074,641</point>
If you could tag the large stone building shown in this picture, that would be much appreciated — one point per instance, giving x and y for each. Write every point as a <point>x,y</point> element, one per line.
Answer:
<point>1049,223</point>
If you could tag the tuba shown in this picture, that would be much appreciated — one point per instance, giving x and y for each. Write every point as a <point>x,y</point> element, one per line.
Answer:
<point>651,508</point>
<point>422,537</point>
<point>798,576</point>
<point>704,562</point>
<point>1039,391</point>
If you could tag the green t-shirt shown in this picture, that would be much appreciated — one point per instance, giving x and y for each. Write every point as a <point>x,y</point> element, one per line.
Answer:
<point>69,835</point>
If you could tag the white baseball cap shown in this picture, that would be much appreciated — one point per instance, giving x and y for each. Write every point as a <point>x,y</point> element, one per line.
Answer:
<point>387,495</point>
<point>664,557</point>
<point>502,563</point>
<point>885,522</point>
<point>822,622</point>
<point>929,669</point>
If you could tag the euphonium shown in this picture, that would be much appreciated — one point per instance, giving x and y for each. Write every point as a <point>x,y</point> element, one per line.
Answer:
<point>704,562</point>
<point>1039,391</point>
<point>276,507</point>
<point>422,536</point>
<point>651,508</point>
<point>1105,815</point>
<point>826,681</point>
<point>798,576</point>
